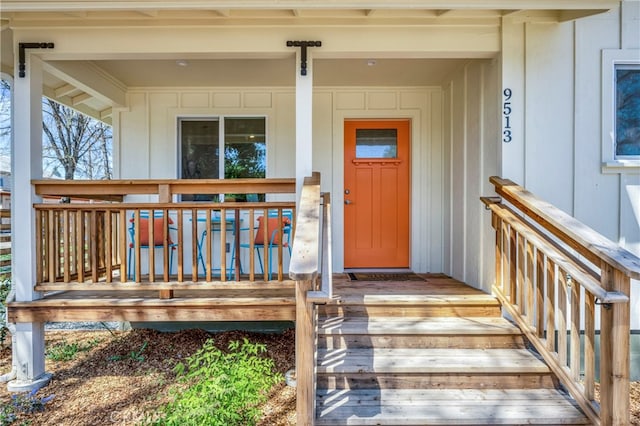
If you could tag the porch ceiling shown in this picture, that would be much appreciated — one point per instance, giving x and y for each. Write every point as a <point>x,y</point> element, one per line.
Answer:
<point>118,74</point>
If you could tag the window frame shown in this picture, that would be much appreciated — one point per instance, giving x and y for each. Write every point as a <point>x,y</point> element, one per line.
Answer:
<point>220,118</point>
<point>611,60</point>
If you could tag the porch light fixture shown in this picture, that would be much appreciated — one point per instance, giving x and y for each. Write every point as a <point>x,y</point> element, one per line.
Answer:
<point>182,63</point>
<point>22,67</point>
<point>303,52</point>
<point>371,62</point>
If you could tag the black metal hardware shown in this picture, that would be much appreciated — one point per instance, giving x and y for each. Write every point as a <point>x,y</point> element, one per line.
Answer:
<point>605,305</point>
<point>303,52</point>
<point>22,67</point>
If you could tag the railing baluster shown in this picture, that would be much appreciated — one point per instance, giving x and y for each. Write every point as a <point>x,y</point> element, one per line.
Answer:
<point>166,266</point>
<point>223,245</point>
<point>520,274</point>
<point>93,245</point>
<point>123,238</point>
<point>108,250</point>
<point>194,245</point>
<point>539,294</point>
<point>138,257</point>
<point>281,241</point>
<point>531,294</point>
<point>513,267</point>
<point>252,255</point>
<point>151,225</point>
<point>497,225</point>
<point>265,244</point>
<point>52,248</point>
<point>207,243</point>
<point>575,331</point>
<point>562,317</point>
<point>66,244</point>
<point>589,346</point>
<point>506,286</point>
<point>179,225</point>
<point>550,305</point>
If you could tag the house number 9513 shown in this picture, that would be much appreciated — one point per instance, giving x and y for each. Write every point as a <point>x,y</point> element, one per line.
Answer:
<point>506,112</point>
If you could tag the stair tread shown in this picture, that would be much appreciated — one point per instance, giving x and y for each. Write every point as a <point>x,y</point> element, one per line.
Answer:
<point>418,299</point>
<point>421,361</point>
<point>405,325</point>
<point>446,406</point>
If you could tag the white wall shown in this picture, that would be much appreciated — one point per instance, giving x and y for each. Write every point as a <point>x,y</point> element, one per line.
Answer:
<point>471,135</point>
<point>147,145</point>
<point>555,71</point>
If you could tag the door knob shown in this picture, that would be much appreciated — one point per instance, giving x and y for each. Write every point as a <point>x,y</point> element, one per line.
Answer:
<point>347,201</point>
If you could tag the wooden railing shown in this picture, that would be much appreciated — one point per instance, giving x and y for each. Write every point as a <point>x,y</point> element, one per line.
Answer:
<point>311,269</point>
<point>102,244</point>
<point>555,274</point>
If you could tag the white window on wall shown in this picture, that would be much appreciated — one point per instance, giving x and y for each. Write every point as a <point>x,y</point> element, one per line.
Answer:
<point>621,110</point>
<point>202,140</point>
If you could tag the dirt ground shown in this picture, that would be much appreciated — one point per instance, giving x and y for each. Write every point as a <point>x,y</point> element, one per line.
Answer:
<point>109,385</point>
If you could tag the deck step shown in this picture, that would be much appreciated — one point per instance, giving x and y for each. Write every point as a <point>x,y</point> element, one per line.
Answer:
<point>446,407</point>
<point>405,332</point>
<point>428,361</point>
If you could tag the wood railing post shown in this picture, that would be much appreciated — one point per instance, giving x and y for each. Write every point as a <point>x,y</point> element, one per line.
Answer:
<point>614,351</point>
<point>305,360</point>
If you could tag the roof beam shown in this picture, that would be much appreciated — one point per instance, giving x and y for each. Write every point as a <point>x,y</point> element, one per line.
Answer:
<point>83,108</point>
<point>90,79</point>
<point>64,90</point>
<point>80,99</point>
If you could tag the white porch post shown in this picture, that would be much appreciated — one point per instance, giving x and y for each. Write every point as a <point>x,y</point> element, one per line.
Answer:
<point>304,114</point>
<point>27,164</point>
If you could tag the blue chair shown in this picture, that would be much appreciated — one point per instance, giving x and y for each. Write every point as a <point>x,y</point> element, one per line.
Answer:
<point>158,238</point>
<point>273,234</point>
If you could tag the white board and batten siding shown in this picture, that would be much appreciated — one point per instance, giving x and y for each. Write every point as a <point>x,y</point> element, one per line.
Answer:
<point>556,74</point>
<point>151,121</point>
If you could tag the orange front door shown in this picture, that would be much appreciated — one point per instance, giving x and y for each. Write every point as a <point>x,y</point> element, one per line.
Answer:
<point>376,194</point>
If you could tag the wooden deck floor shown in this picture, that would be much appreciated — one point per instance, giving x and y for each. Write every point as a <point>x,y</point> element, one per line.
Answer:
<point>273,301</point>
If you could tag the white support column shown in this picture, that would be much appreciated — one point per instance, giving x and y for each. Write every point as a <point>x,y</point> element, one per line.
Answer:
<point>26,152</point>
<point>304,118</point>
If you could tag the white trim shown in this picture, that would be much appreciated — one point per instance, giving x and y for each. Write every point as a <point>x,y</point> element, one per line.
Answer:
<point>610,59</point>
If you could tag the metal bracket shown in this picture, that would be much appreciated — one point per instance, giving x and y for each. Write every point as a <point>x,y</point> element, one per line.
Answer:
<point>22,67</point>
<point>605,305</point>
<point>303,52</point>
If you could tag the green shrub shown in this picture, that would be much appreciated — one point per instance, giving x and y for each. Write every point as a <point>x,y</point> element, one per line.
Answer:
<point>64,351</point>
<point>218,388</point>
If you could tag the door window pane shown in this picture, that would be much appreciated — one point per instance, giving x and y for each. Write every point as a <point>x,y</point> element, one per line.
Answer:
<point>376,143</point>
<point>628,111</point>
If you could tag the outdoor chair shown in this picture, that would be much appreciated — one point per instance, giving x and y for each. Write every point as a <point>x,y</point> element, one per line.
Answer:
<point>158,238</point>
<point>273,234</point>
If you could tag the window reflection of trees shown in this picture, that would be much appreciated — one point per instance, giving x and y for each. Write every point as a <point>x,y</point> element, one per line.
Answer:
<point>628,112</point>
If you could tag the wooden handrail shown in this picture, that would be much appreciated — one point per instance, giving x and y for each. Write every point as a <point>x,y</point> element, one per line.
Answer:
<point>572,266</point>
<point>114,190</point>
<point>304,261</point>
<point>586,241</point>
<point>312,240</point>
<point>539,282</point>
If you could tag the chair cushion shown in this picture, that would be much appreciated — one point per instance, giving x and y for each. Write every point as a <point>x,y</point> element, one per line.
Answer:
<point>272,225</point>
<point>158,231</point>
